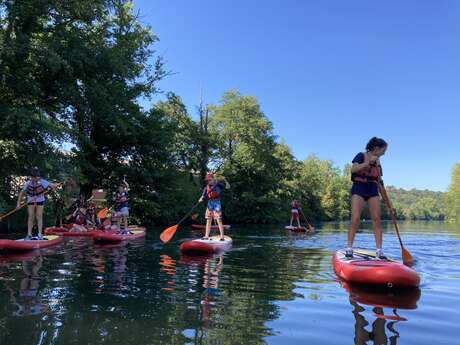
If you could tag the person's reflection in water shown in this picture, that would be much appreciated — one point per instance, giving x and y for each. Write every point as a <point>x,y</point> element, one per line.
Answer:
<point>377,335</point>
<point>27,299</point>
<point>212,268</point>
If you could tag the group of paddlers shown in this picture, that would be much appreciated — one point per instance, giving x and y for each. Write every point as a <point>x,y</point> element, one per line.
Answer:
<point>366,175</point>
<point>82,212</point>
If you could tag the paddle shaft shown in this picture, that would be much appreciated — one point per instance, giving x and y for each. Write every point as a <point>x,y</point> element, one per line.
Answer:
<point>387,202</point>
<point>189,213</point>
<point>12,211</point>
<point>309,225</point>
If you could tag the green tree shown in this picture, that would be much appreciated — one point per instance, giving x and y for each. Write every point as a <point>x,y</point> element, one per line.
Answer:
<point>453,196</point>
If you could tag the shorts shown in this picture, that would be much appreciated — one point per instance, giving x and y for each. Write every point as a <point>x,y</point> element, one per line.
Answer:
<point>365,190</point>
<point>123,212</point>
<point>214,210</point>
<point>295,214</point>
<point>38,203</point>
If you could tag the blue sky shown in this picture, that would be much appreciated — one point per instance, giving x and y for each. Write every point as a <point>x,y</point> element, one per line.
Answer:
<point>328,74</point>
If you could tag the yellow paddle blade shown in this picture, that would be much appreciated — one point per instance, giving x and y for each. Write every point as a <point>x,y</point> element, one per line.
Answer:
<point>167,234</point>
<point>103,213</point>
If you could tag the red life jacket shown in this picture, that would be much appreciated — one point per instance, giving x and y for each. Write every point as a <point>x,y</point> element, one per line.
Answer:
<point>212,193</point>
<point>121,198</point>
<point>35,188</point>
<point>369,174</point>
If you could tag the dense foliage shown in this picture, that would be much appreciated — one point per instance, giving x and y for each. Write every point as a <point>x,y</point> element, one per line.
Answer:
<point>453,196</point>
<point>72,76</point>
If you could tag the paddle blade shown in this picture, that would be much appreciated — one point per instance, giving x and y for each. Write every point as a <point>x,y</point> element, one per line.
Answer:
<point>194,216</point>
<point>103,213</point>
<point>167,234</point>
<point>408,260</point>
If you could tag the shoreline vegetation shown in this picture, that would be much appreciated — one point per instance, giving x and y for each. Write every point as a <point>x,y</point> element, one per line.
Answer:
<point>73,76</point>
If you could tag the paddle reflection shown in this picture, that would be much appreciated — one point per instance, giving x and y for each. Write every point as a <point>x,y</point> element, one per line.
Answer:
<point>382,330</point>
<point>168,266</point>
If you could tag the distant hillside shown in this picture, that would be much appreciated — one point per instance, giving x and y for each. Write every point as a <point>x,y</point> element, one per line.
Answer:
<point>417,204</point>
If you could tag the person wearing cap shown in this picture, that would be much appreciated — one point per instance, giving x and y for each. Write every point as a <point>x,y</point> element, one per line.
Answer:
<point>35,189</point>
<point>212,193</point>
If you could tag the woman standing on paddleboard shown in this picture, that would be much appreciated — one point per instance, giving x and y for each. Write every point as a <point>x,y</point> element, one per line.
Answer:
<point>35,190</point>
<point>365,174</point>
<point>212,193</point>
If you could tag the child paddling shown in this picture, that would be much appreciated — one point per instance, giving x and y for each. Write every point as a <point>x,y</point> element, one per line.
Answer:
<point>35,189</point>
<point>212,193</point>
<point>365,174</point>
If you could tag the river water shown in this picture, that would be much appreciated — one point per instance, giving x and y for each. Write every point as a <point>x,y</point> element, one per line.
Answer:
<point>272,287</point>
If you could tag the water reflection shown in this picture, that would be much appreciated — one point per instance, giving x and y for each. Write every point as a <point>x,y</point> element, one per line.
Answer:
<point>382,330</point>
<point>26,298</point>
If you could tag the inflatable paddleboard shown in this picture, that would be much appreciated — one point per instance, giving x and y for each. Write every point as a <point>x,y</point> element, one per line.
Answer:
<point>213,227</point>
<point>296,228</point>
<point>26,245</point>
<point>200,246</point>
<point>66,232</point>
<point>118,236</point>
<point>365,268</point>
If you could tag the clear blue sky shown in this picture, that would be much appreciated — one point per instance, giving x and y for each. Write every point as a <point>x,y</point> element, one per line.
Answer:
<point>328,74</point>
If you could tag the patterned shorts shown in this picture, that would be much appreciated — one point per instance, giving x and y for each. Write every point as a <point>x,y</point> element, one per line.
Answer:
<point>214,210</point>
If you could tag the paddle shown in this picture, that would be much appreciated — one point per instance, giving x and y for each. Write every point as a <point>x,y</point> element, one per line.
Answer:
<point>167,234</point>
<point>12,211</point>
<point>306,221</point>
<point>103,213</point>
<point>407,258</point>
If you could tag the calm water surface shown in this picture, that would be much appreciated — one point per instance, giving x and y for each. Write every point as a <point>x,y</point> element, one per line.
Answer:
<point>273,287</point>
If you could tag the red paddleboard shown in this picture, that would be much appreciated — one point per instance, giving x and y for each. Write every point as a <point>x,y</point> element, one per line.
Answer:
<point>213,227</point>
<point>118,236</point>
<point>26,245</point>
<point>364,268</point>
<point>66,232</point>
<point>296,228</point>
<point>200,246</point>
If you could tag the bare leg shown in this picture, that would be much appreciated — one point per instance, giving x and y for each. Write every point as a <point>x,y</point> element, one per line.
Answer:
<point>374,210</point>
<point>298,222</point>
<point>221,227</point>
<point>290,224</point>
<point>39,216</point>
<point>125,218</point>
<point>30,219</point>
<point>357,204</point>
<point>208,227</point>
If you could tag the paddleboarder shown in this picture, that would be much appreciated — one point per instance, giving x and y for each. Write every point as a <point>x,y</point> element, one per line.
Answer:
<point>365,174</point>
<point>212,193</point>
<point>35,189</point>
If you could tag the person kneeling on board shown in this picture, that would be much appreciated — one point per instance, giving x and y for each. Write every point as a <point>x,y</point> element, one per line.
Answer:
<point>212,193</point>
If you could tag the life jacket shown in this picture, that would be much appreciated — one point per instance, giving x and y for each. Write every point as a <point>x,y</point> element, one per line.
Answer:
<point>91,209</point>
<point>121,199</point>
<point>35,188</point>
<point>369,174</point>
<point>80,217</point>
<point>212,193</point>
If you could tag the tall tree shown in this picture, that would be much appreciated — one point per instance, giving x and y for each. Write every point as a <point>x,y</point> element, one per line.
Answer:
<point>453,196</point>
